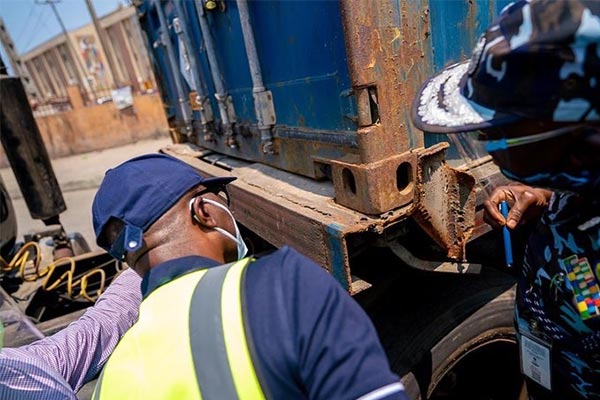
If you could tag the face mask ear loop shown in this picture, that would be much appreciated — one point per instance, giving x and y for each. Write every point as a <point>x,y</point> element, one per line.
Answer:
<point>221,230</point>
<point>191,206</point>
<point>242,248</point>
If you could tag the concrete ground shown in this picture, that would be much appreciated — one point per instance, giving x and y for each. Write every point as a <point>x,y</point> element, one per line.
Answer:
<point>78,177</point>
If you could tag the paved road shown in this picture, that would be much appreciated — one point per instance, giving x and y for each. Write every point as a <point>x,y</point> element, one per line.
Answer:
<point>78,177</point>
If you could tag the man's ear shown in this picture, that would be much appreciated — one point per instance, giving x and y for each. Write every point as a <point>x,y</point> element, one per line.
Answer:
<point>202,213</point>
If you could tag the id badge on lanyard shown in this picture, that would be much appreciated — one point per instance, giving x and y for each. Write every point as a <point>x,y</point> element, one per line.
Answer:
<point>536,360</point>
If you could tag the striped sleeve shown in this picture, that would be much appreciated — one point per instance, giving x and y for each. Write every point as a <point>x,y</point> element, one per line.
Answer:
<point>79,351</point>
<point>26,376</point>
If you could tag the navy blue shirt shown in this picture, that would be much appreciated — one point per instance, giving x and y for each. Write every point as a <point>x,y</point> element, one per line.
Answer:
<point>308,337</point>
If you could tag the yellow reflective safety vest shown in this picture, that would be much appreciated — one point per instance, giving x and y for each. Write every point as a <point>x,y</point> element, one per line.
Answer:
<point>189,343</point>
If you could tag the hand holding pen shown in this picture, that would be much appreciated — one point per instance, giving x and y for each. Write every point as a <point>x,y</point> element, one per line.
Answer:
<point>510,206</point>
<point>525,204</point>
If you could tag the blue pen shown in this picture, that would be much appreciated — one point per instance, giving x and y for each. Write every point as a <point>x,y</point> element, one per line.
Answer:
<point>506,234</point>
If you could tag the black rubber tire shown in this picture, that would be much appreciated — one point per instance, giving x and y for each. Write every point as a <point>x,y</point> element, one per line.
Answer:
<point>428,322</point>
<point>490,324</point>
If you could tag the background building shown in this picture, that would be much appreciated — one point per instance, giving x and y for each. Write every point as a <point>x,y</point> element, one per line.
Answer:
<point>92,88</point>
<point>84,62</point>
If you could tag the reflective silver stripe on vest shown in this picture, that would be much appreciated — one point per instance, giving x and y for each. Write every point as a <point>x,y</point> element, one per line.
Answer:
<point>206,337</point>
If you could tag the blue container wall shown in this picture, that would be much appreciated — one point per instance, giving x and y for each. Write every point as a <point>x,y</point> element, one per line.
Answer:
<point>190,24</point>
<point>455,28</point>
<point>302,56</point>
<point>150,24</point>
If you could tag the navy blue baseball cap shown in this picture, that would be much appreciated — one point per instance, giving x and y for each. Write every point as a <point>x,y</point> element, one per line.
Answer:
<point>138,192</point>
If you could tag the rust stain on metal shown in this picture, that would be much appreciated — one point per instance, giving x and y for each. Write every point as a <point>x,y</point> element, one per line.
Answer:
<point>385,47</point>
<point>391,53</point>
<point>283,197</point>
<point>471,22</point>
<point>446,201</point>
<point>280,225</point>
<point>296,155</point>
<point>376,187</point>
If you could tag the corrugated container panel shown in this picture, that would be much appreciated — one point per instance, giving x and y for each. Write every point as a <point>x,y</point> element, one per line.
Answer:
<point>151,27</point>
<point>302,51</point>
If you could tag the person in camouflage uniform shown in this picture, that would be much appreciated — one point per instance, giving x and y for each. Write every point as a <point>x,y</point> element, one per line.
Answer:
<point>531,90</point>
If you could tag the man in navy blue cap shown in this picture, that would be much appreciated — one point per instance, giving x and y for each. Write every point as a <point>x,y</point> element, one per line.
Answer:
<point>216,325</point>
<point>532,91</point>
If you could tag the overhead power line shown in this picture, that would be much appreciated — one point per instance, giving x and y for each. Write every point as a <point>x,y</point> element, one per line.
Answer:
<point>33,29</point>
<point>81,79</point>
<point>26,22</point>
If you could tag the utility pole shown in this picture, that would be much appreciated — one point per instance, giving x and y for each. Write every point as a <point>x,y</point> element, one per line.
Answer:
<point>84,84</point>
<point>103,46</point>
<point>15,60</point>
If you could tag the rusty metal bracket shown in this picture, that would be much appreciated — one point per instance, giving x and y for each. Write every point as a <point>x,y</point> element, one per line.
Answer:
<point>445,201</point>
<point>443,198</point>
<point>374,188</point>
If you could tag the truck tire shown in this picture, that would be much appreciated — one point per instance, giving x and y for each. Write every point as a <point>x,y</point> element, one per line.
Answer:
<point>455,335</point>
<point>491,325</point>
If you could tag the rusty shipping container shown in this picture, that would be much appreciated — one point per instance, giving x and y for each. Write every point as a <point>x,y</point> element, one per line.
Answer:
<point>308,104</point>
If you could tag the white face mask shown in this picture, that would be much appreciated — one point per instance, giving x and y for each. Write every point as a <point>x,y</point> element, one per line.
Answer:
<point>242,249</point>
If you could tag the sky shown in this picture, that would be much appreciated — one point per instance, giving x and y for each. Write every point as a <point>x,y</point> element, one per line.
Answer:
<point>31,23</point>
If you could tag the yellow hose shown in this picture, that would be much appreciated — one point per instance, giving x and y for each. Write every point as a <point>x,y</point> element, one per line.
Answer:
<point>20,259</point>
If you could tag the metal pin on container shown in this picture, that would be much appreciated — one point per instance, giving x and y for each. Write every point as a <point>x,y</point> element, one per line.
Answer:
<point>506,235</point>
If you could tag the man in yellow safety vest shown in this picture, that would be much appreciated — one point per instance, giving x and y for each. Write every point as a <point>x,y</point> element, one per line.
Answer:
<point>216,325</point>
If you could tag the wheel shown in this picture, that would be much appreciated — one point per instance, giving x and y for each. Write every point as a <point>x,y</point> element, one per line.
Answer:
<point>450,337</point>
<point>477,359</point>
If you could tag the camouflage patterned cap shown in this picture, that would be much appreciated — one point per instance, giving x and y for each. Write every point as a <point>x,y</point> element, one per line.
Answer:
<point>538,60</point>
